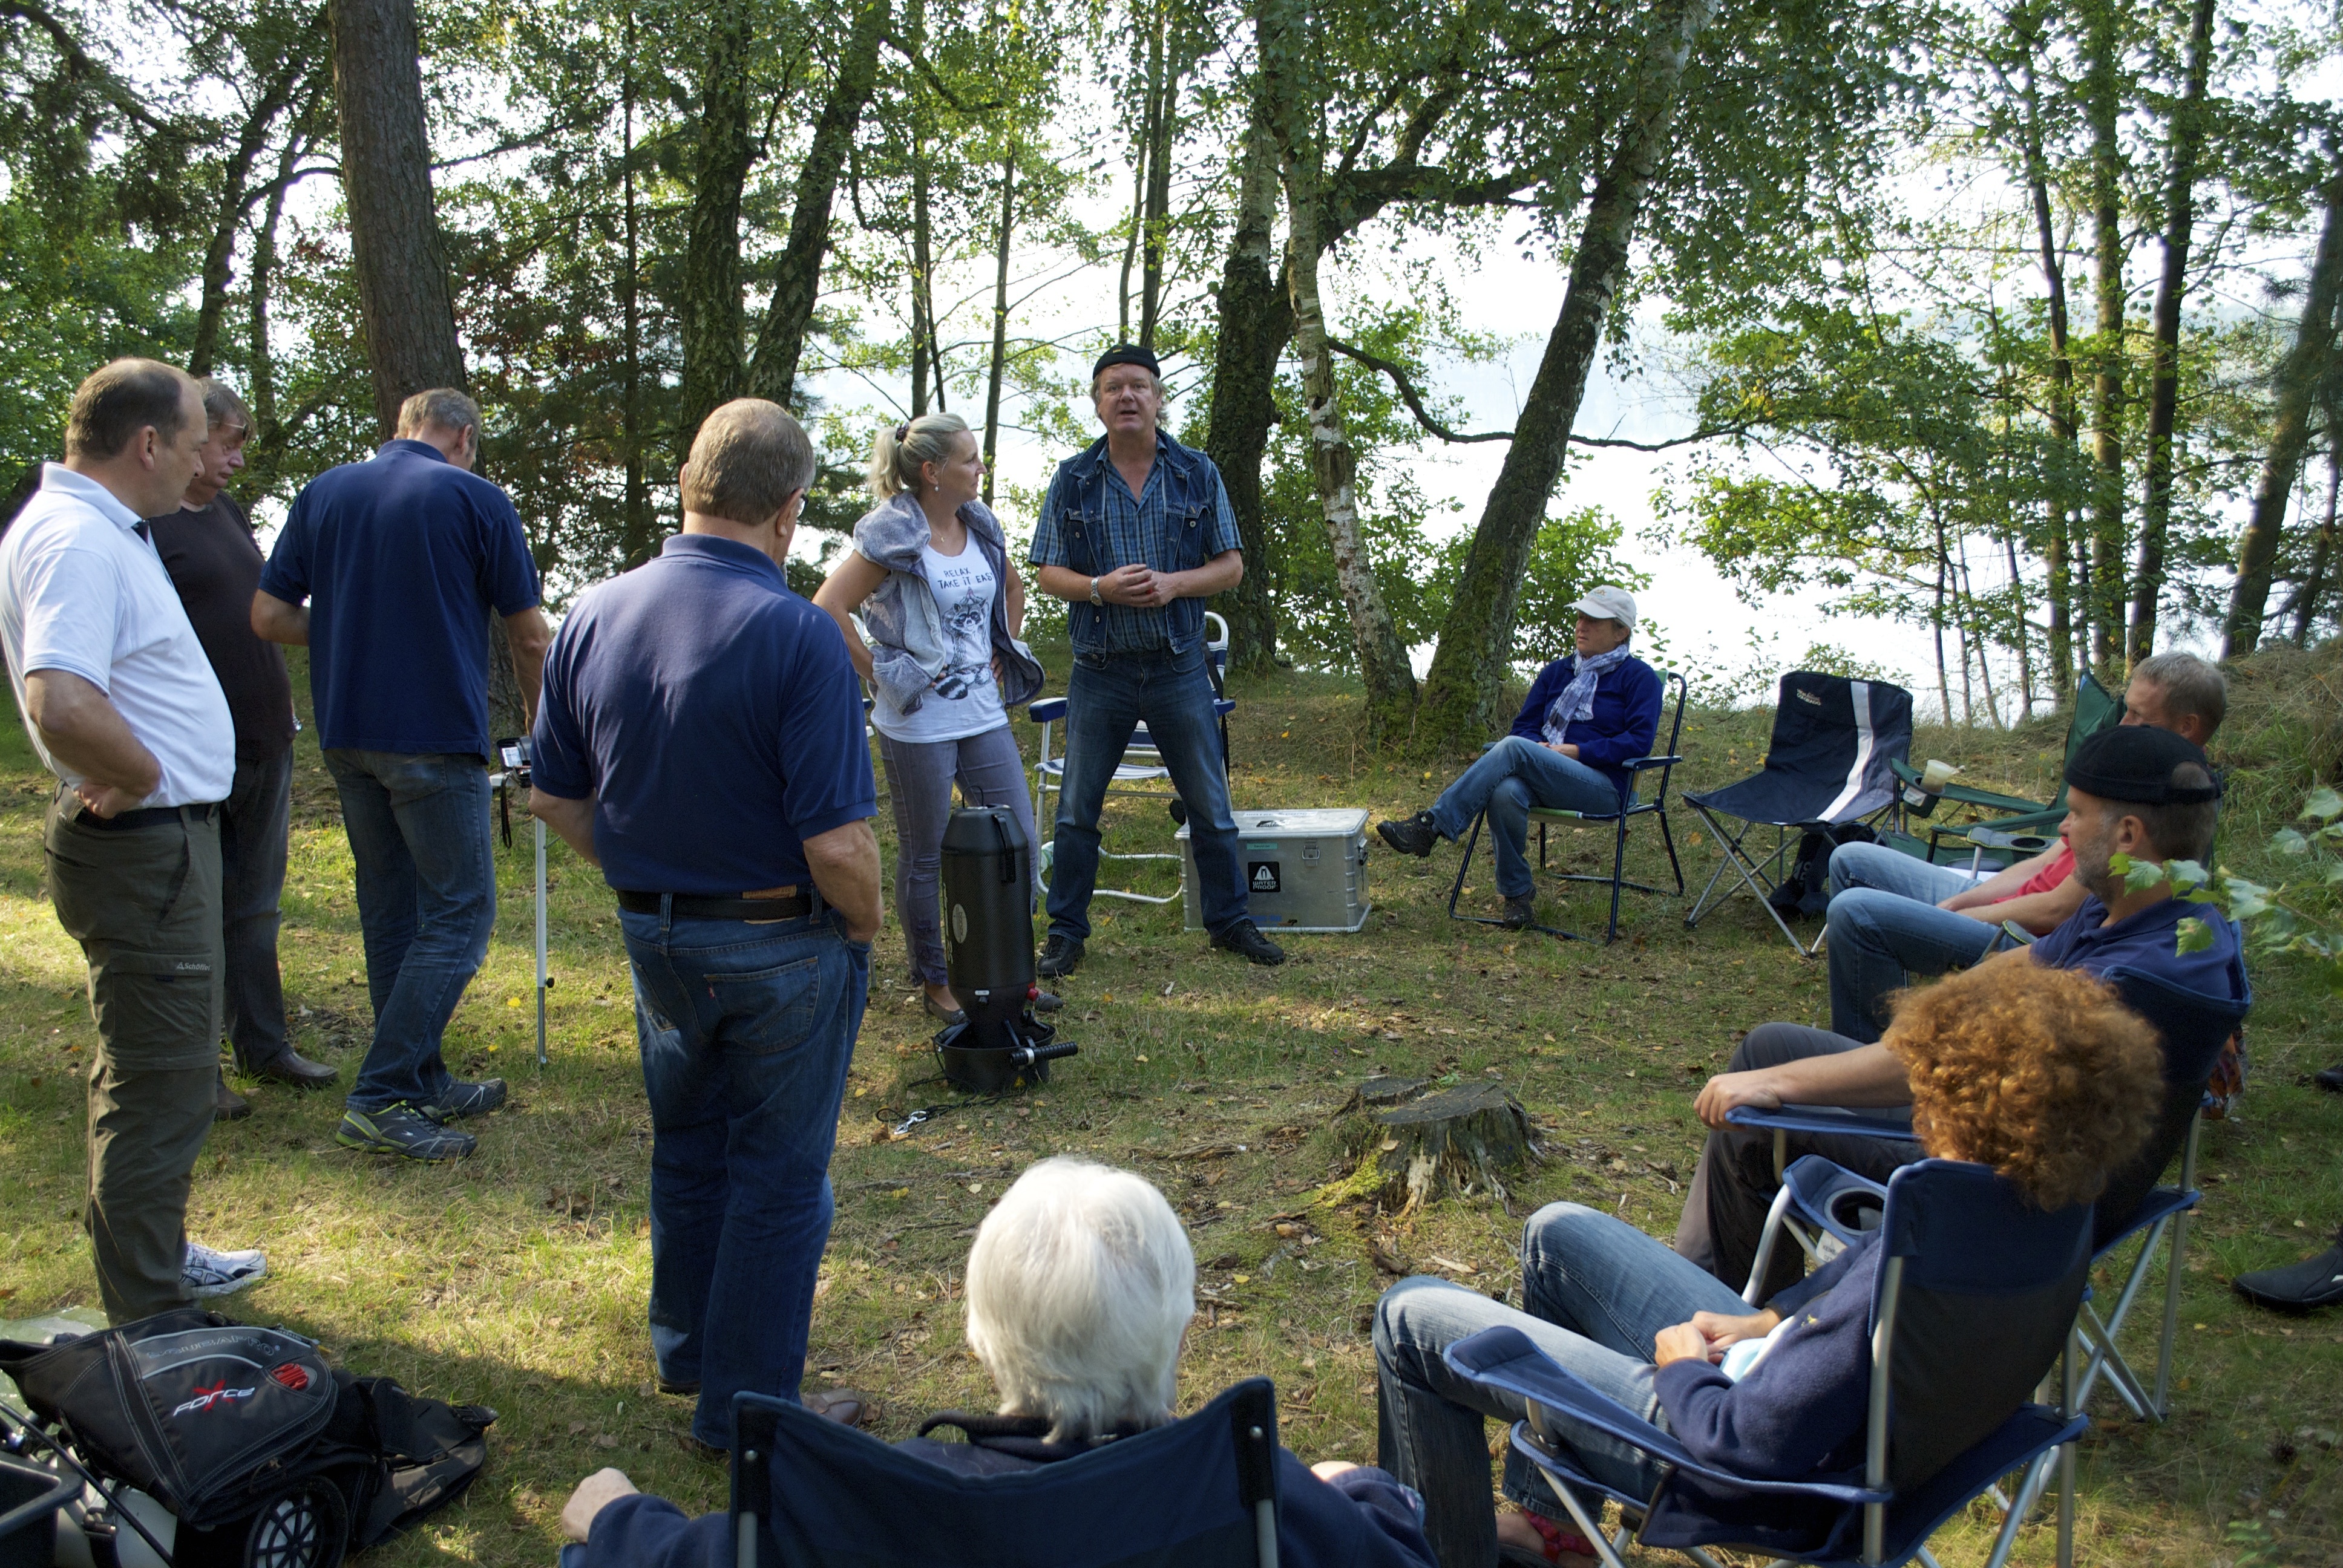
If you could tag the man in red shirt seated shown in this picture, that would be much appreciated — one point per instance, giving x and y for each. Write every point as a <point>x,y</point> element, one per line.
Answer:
<point>1895,918</point>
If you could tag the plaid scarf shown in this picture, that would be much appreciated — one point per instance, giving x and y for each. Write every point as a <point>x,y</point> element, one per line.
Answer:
<point>1576,703</point>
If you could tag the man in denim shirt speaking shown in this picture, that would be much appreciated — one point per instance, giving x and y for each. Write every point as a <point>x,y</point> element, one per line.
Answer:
<point>1135,534</point>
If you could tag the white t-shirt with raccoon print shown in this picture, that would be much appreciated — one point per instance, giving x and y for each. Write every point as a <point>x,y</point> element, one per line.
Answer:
<point>965,700</point>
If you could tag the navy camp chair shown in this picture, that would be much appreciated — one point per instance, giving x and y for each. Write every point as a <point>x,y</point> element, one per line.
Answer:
<point>1200,1492</point>
<point>1818,1198</point>
<point>1631,806</point>
<point>1827,764</point>
<point>1974,1306</point>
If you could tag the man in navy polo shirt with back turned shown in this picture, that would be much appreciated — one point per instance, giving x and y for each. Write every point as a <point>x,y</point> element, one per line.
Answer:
<point>701,741</point>
<point>401,559</point>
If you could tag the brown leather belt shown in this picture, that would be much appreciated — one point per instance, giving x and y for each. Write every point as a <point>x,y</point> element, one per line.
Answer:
<point>706,906</point>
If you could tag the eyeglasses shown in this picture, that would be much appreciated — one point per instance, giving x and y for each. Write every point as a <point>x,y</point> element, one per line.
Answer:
<point>1118,388</point>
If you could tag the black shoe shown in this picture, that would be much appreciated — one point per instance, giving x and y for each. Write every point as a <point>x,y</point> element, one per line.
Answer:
<point>1519,913</point>
<point>462,1099</point>
<point>289,1066</point>
<point>403,1131</point>
<point>1414,836</point>
<point>680,1389</point>
<point>940,1012</point>
<point>1060,955</point>
<point>2299,1288</point>
<point>1048,1002</point>
<point>1244,939</point>
<point>2329,1079</point>
<point>228,1105</point>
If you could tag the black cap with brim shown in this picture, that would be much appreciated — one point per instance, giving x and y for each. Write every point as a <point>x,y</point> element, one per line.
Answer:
<point>1127,354</point>
<point>2134,763</point>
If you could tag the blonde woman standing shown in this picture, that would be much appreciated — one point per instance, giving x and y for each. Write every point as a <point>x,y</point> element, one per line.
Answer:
<point>931,575</point>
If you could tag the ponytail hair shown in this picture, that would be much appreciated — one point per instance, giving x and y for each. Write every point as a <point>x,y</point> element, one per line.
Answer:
<point>902,450</point>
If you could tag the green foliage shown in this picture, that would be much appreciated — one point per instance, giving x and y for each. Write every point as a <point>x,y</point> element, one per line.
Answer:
<point>2303,917</point>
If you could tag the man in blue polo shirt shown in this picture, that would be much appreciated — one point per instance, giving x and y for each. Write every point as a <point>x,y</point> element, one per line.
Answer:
<point>400,560</point>
<point>701,741</point>
<point>2137,790</point>
<point>1136,533</point>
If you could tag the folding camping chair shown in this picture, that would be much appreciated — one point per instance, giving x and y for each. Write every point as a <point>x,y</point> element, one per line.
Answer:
<point>1826,766</point>
<point>2192,1028</point>
<point>1140,768</point>
<point>2096,709</point>
<point>1630,807</point>
<point>809,1494</point>
<point>1974,1305</point>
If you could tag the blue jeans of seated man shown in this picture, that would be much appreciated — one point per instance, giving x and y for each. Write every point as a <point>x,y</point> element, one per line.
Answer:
<point>1597,1293</point>
<point>1171,694</point>
<point>1511,777</point>
<point>745,1029</point>
<point>427,887</point>
<point>1886,929</point>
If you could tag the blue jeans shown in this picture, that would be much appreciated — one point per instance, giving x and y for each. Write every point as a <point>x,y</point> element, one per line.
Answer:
<point>745,1029</point>
<point>1597,1293</point>
<point>1106,696</point>
<point>1885,929</point>
<point>426,885</point>
<point>1511,777</point>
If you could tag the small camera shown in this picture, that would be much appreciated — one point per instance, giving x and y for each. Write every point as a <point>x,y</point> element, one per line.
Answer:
<point>514,754</point>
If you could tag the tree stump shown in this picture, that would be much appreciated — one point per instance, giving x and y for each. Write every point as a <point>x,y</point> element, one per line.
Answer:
<point>1426,1146</point>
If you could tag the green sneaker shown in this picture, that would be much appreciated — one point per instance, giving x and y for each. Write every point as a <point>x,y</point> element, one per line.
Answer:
<point>403,1131</point>
<point>464,1100</point>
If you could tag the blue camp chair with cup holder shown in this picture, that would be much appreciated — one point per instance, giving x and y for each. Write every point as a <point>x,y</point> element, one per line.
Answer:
<point>1632,805</point>
<point>1973,1308</point>
<point>1827,764</point>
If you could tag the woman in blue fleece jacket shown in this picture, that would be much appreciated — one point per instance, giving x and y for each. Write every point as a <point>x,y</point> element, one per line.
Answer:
<point>1585,718</point>
<point>1079,1285</point>
<point>2042,1074</point>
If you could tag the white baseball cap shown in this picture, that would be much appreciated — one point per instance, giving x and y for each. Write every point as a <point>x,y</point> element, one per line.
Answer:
<point>1608,603</point>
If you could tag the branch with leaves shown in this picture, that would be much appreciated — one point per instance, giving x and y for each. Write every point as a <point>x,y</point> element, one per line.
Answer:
<point>2296,916</point>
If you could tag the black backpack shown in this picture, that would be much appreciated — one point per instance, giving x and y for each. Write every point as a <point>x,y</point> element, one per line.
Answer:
<point>1805,892</point>
<point>257,1448</point>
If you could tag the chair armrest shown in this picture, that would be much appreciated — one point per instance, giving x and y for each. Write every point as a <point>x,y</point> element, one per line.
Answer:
<point>2017,933</point>
<point>1989,800</point>
<point>1871,1121</point>
<point>1640,763</point>
<point>1047,711</point>
<point>1506,1359</point>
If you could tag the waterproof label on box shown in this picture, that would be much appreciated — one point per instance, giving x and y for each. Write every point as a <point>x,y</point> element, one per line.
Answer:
<point>1261,876</point>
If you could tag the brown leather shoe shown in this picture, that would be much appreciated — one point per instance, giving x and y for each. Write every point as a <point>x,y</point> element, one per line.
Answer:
<point>842,1405</point>
<point>289,1066</point>
<point>228,1105</point>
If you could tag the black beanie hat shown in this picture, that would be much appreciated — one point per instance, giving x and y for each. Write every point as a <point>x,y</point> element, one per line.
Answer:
<point>1127,354</point>
<point>2134,763</point>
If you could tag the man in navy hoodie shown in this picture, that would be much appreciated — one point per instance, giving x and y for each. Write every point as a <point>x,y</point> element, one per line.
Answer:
<point>1585,718</point>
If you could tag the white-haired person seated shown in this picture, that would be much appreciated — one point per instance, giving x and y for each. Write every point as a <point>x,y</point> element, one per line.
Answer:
<point>1080,1286</point>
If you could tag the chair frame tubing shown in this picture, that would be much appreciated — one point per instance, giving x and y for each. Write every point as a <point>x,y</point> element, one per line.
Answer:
<point>1732,858</point>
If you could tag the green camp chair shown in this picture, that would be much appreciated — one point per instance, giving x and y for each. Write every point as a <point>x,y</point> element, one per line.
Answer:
<point>1948,842</point>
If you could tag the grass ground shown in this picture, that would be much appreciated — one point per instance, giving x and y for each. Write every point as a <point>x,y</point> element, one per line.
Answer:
<point>518,1279</point>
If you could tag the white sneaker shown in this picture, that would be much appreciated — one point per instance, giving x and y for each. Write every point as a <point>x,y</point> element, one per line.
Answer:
<point>209,1273</point>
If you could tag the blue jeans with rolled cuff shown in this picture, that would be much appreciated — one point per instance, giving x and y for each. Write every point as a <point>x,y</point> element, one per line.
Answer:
<point>427,887</point>
<point>1886,931</point>
<point>745,1029</point>
<point>1596,1294</point>
<point>1171,693</point>
<point>1510,778</point>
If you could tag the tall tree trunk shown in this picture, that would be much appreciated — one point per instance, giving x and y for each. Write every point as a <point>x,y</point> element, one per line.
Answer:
<point>2298,379</point>
<point>1290,86</point>
<point>396,250</point>
<point>1476,640</point>
<point>1157,207</point>
<point>2025,631</point>
<point>262,392</point>
<point>781,342</point>
<point>1143,143</point>
<point>2062,403</point>
<point>2322,550</point>
<point>710,299</point>
<point>235,178</point>
<point>2171,293</point>
<point>1937,621</point>
<point>923,259</point>
<point>1256,317</point>
<point>2103,109</point>
<point>638,537</point>
<point>999,368</point>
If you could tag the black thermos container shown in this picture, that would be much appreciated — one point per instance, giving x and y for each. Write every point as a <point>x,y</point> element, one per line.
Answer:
<point>988,911</point>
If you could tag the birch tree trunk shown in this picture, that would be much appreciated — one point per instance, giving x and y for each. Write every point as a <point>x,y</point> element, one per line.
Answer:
<point>1476,640</point>
<point>1382,658</point>
<point>2104,109</point>
<point>396,250</point>
<point>2171,294</point>
<point>2297,378</point>
<point>1256,318</point>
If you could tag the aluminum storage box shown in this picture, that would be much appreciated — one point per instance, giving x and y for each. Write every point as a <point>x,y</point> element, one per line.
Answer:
<point>1306,870</point>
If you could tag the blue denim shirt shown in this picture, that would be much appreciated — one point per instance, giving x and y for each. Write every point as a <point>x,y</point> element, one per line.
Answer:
<point>1091,523</point>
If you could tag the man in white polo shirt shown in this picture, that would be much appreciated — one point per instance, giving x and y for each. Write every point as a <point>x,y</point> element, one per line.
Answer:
<point>122,706</point>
